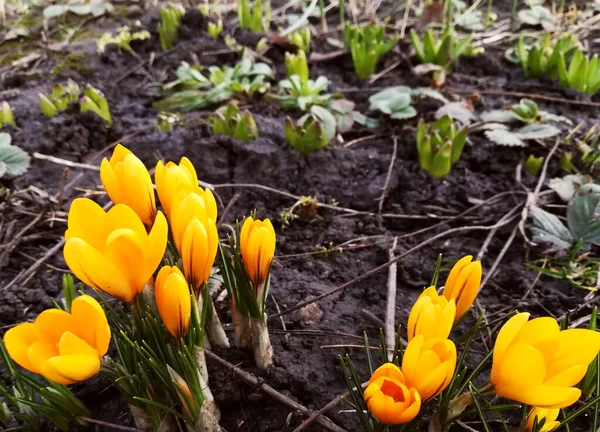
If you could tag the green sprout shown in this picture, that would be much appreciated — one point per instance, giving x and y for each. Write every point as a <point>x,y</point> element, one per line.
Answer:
<point>583,73</point>
<point>122,40</point>
<point>301,38</point>
<point>254,16</point>
<point>201,87</point>
<point>302,95</point>
<point>534,164</point>
<point>542,57</point>
<point>60,98</point>
<point>169,25</point>
<point>6,115</point>
<point>296,64</point>
<point>166,121</point>
<point>367,44</point>
<point>443,52</point>
<point>229,121</point>
<point>440,145</point>
<point>215,29</point>
<point>307,135</point>
<point>95,101</point>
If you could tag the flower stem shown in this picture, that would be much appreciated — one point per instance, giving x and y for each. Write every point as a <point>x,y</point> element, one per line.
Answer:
<point>241,326</point>
<point>263,351</point>
<point>216,334</point>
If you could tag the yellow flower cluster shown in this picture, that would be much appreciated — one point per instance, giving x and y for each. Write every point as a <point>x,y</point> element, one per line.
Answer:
<point>394,395</point>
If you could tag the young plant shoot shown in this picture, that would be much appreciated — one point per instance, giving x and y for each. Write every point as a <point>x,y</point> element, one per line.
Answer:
<point>296,64</point>
<point>368,44</point>
<point>440,145</point>
<point>301,38</point>
<point>444,51</point>
<point>229,121</point>
<point>168,28</point>
<point>254,16</point>
<point>6,115</point>
<point>94,100</point>
<point>60,98</point>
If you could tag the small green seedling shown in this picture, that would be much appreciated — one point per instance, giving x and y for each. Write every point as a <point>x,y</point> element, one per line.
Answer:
<point>541,58</point>
<point>6,115</point>
<point>307,135</point>
<point>60,98</point>
<point>166,121</point>
<point>566,162</point>
<point>296,64</point>
<point>302,95</point>
<point>122,40</point>
<point>443,52</point>
<point>582,74</point>
<point>367,43</point>
<point>254,16</point>
<point>215,29</point>
<point>397,101</point>
<point>168,28</point>
<point>229,121</point>
<point>534,164</point>
<point>95,101</point>
<point>301,38</point>
<point>440,146</point>
<point>95,8</point>
<point>13,161</point>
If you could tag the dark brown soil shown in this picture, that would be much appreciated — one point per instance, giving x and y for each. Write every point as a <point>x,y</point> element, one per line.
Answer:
<point>306,368</point>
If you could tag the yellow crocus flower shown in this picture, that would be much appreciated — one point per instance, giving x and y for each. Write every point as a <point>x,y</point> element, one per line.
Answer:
<point>111,251</point>
<point>549,415</point>
<point>463,283</point>
<point>172,294</point>
<point>174,179</point>
<point>389,398</point>
<point>431,316</point>
<point>257,244</point>
<point>536,363</point>
<point>127,181</point>
<point>428,365</point>
<point>64,347</point>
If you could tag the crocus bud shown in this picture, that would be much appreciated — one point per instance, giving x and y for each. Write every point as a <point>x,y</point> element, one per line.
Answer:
<point>64,347</point>
<point>172,294</point>
<point>431,316</point>
<point>389,398</point>
<point>257,244</point>
<point>547,415</point>
<point>111,251</point>
<point>536,363</point>
<point>428,365</point>
<point>173,179</point>
<point>127,181</point>
<point>463,283</point>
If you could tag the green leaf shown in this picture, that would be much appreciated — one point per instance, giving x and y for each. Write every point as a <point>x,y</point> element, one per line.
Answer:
<point>418,46</point>
<point>15,161</point>
<point>537,131</point>
<point>405,113</point>
<point>548,229</point>
<point>442,161</point>
<point>328,120</point>
<point>504,138</point>
<point>426,91</point>
<point>581,219</point>
<point>498,116</point>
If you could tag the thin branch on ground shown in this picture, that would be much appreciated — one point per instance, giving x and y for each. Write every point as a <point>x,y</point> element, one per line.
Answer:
<point>527,95</point>
<point>254,381</point>
<point>322,411</point>
<point>65,162</point>
<point>17,238</point>
<point>388,176</point>
<point>390,312</point>
<point>109,425</point>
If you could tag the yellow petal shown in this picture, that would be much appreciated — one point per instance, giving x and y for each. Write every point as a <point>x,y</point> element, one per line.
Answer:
<point>90,323</point>
<point>18,340</point>
<point>140,192</point>
<point>507,333</point>
<point>39,353</point>
<point>95,270</point>
<point>188,168</point>
<point>413,409</point>
<point>69,369</point>
<point>125,250</point>
<point>119,154</point>
<point>244,233</point>
<point>541,333</point>
<point>568,377</point>
<point>522,367</point>
<point>173,301</point>
<point>156,243</point>
<point>451,288</point>
<point>85,218</point>
<point>112,183</point>
<point>51,324</point>
<point>549,396</point>
<point>466,287</point>
<point>122,216</point>
<point>70,344</point>
<point>186,207</point>
<point>211,204</point>
<point>410,360</point>
<point>388,370</point>
<point>194,252</point>
<point>575,346</point>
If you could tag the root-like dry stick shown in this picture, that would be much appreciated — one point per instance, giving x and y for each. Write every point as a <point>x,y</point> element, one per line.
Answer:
<point>389,263</point>
<point>388,176</point>
<point>322,411</point>
<point>390,312</point>
<point>109,425</point>
<point>529,96</point>
<point>17,238</point>
<point>254,381</point>
<point>65,162</point>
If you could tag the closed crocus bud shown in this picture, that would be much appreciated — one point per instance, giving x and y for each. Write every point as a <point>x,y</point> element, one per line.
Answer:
<point>548,415</point>
<point>127,181</point>
<point>257,244</point>
<point>172,294</point>
<point>536,363</point>
<point>428,365</point>
<point>431,316</point>
<point>111,251</point>
<point>173,179</point>
<point>196,237</point>
<point>463,283</point>
<point>64,347</point>
<point>388,397</point>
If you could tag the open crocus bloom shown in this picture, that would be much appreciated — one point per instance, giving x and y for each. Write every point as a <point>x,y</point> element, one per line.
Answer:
<point>111,251</point>
<point>463,283</point>
<point>64,347</point>
<point>127,181</point>
<point>549,415</point>
<point>388,397</point>
<point>173,179</point>
<point>428,365</point>
<point>431,316</point>
<point>257,244</point>
<point>538,364</point>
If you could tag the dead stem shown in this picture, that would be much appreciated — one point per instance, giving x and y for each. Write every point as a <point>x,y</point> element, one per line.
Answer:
<point>390,312</point>
<point>388,176</point>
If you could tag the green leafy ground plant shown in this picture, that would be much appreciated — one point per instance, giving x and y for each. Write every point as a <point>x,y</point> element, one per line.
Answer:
<point>230,121</point>
<point>440,146</point>
<point>368,44</point>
